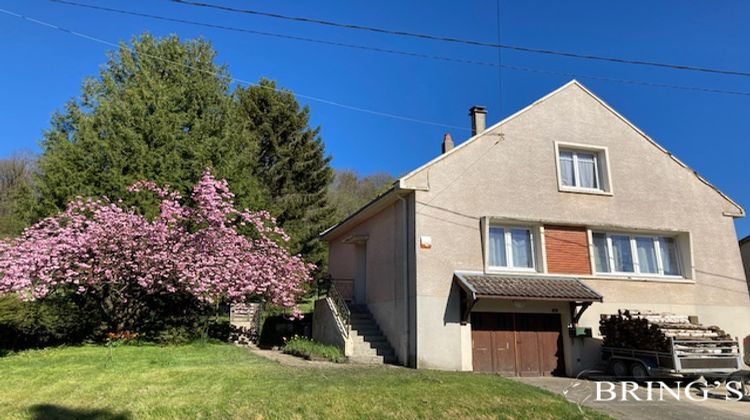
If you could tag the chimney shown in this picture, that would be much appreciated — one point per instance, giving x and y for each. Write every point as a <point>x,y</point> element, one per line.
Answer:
<point>478,116</point>
<point>447,142</point>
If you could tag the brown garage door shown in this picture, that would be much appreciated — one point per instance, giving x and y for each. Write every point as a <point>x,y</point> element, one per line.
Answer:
<point>517,344</point>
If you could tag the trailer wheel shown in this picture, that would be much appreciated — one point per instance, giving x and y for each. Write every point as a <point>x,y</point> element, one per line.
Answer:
<point>740,382</point>
<point>618,368</point>
<point>638,371</point>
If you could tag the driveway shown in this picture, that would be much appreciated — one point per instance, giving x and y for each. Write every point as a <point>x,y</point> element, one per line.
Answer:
<point>583,391</point>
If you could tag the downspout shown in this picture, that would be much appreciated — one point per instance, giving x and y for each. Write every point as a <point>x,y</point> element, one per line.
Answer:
<point>405,277</point>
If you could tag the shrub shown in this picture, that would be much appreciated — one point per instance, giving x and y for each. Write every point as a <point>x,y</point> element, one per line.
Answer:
<point>275,329</point>
<point>310,350</point>
<point>67,318</point>
<point>56,319</point>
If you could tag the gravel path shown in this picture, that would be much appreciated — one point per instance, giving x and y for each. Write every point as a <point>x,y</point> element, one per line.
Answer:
<point>294,361</point>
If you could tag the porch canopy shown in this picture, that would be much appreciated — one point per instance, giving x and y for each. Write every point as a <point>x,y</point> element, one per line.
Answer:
<point>524,287</point>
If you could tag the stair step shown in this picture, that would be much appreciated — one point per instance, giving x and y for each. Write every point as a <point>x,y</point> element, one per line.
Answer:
<point>370,345</point>
<point>376,348</point>
<point>373,360</point>
<point>369,327</point>
<point>380,347</point>
<point>373,338</point>
<point>358,338</point>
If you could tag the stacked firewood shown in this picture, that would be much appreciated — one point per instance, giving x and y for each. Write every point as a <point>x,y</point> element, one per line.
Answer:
<point>645,330</point>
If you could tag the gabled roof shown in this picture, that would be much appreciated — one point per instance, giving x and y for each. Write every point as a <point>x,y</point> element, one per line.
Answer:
<point>745,240</point>
<point>402,180</point>
<point>400,185</point>
<point>378,203</point>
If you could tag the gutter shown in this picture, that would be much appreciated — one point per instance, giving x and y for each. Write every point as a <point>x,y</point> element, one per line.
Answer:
<point>405,276</point>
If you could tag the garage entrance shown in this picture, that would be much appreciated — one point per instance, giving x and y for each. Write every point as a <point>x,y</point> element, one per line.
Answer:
<point>517,344</point>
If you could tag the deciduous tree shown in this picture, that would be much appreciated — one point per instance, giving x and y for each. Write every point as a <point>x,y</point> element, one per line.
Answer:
<point>210,250</point>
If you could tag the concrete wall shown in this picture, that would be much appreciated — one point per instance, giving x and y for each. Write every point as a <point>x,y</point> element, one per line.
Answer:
<point>510,173</point>
<point>386,285</point>
<point>745,252</point>
<point>326,329</point>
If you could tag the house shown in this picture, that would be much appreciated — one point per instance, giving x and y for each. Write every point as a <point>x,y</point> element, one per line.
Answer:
<point>501,254</point>
<point>745,252</point>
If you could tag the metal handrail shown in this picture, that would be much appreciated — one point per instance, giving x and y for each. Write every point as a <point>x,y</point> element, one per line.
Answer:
<point>342,309</point>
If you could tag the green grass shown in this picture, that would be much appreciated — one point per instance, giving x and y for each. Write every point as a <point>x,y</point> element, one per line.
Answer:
<point>222,381</point>
<point>309,349</point>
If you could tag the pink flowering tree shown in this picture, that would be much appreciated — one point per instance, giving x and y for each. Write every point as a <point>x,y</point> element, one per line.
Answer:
<point>209,250</point>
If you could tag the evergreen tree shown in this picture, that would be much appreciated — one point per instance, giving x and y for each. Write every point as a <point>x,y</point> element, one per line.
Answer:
<point>292,165</point>
<point>161,110</point>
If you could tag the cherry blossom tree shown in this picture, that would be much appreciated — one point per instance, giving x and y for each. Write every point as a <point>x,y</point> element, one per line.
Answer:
<point>209,250</point>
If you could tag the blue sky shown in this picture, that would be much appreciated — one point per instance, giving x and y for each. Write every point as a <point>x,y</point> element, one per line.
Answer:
<point>42,68</point>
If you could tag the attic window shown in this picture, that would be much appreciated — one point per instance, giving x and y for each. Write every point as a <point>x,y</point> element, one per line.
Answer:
<point>582,168</point>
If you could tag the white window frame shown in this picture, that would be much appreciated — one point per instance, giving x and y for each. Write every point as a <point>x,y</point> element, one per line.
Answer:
<point>634,252</point>
<point>509,248</point>
<point>603,179</point>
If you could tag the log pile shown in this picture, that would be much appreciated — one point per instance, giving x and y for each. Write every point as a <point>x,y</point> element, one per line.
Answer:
<point>645,330</point>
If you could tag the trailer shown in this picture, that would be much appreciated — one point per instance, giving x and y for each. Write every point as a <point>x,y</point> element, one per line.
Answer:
<point>686,357</point>
<point>638,345</point>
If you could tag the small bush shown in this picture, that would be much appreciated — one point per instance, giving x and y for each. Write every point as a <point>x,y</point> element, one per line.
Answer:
<point>65,318</point>
<point>56,319</point>
<point>309,349</point>
<point>276,327</point>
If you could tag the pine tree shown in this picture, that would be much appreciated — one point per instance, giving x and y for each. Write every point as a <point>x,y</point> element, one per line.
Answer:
<point>292,164</point>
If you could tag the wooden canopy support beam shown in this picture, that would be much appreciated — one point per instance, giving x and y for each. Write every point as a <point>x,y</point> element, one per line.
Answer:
<point>468,300</point>
<point>576,310</point>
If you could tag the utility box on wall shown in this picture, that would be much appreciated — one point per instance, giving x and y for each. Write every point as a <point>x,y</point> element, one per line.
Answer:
<point>579,332</point>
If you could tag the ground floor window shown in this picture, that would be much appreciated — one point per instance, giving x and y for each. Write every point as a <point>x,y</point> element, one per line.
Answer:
<point>511,247</point>
<point>636,254</point>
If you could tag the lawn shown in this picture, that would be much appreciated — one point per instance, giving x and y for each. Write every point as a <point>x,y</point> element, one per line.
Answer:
<point>223,381</point>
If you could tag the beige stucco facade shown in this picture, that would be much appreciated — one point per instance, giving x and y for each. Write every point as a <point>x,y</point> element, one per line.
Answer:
<point>745,252</point>
<point>509,173</point>
<point>375,254</point>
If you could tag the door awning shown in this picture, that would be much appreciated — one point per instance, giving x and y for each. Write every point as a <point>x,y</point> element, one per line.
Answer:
<point>525,287</point>
<point>477,286</point>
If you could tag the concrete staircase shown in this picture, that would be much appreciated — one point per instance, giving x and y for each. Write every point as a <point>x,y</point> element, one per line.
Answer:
<point>369,345</point>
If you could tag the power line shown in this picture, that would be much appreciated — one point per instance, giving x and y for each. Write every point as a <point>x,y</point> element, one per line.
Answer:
<point>404,53</point>
<point>234,79</point>
<point>464,41</point>
<point>273,34</point>
<point>499,61</point>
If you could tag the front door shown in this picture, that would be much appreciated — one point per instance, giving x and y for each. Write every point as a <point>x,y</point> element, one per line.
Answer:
<point>360,275</point>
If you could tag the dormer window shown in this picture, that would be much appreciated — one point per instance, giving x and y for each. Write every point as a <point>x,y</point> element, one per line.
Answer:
<point>582,168</point>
